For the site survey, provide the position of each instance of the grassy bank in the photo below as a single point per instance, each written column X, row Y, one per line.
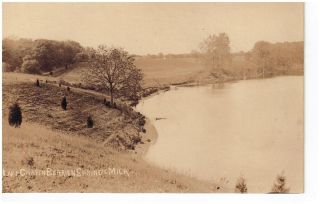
column 34, row 148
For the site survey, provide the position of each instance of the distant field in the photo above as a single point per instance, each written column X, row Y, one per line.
column 156, row 71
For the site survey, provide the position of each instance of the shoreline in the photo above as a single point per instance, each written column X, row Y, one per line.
column 148, row 139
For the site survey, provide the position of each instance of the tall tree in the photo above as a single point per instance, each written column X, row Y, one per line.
column 262, row 57
column 216, row 51
column 113, row 70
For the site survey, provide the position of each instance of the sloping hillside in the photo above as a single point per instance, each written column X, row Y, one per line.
column 42, row 105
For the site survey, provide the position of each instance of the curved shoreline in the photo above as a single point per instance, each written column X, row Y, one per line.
column 148, row 139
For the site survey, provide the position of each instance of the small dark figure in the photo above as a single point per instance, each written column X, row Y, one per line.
column 105, row 101
column 15, row 115
column 68, row 88
column 59, row 84
column 37, row 83
column 89, row 122
column 51, row 73
column 46, row 81
column 115, row 105
column 64, row 103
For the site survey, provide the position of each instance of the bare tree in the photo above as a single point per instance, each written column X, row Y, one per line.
column 113, row 70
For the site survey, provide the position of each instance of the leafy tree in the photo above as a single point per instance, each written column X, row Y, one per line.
column 13, row 51
column 15, row 115
column 113, row 70
column 68, row 51
column 216, row 51
column 262, row 56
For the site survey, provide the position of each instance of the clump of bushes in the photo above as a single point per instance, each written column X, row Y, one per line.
column 279, row 185
column 30, row 66
column 89, row 122
column 15, row 115
column 64, row 103
column 241, row 185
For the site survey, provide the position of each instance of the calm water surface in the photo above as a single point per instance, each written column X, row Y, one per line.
column 251, row 128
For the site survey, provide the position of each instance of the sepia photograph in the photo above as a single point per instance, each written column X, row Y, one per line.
column 153, row 97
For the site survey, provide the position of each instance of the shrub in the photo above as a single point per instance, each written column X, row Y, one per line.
column 241, row 186
column 64, row 103
column 37, row 83
column 142, row 121
column 89, row 122
column 279, row 185
column 15, row 115
column 30, row 66
column 108, row 104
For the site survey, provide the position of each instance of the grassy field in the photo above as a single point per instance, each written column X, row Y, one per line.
column 33, row 148
column 157, row 71
column 59, row 140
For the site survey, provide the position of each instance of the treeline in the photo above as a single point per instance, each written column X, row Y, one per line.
column 269, row 59
column 38, row 56
column 265, row 59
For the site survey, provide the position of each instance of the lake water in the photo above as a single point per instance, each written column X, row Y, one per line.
column 252, row 128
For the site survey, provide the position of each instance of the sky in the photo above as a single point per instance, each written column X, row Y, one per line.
column 152, row 28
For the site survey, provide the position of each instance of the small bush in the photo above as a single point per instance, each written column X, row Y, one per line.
column 142, row 121
column 15, row 115
column 37, row 83
column 279, row 185
column 241, row 186
column 89, row 122
column 108, row 104
column 64, row 103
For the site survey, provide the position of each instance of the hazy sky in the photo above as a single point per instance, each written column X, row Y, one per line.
column 155, row 27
